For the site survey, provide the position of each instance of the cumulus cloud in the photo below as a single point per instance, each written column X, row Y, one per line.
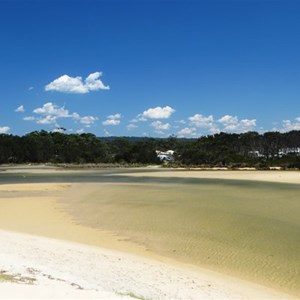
column 159, row 126
column 157, row 113
column 139, row 118
column 131, row 126
column 112, row 120
column 47, row 120
column 186, row 132
column 20, row 109
column 233, row 124
column 227, row 123
column 50, row 113
column 29, row 118
column 88, row 120
column 80, row 131
column 50, row 109
column 4, row 129
column 201, row 121
column 288, row 125
column 247, row 123
column 77, row 85
column 227, row 120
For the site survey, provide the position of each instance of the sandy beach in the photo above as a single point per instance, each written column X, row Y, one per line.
column 46, row 253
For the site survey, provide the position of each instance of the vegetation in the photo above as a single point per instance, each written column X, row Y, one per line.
column 249, row 149
column 16, row 278
column 133, row 295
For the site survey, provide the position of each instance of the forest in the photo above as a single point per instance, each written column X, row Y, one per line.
column 231, row 150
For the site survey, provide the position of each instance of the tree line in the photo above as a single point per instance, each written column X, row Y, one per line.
column 249, row 149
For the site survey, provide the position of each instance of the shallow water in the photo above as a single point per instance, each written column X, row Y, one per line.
column 246, row 229
column 243, row 228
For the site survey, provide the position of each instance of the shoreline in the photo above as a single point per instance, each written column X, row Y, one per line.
column 227, row 287
column 275, row 175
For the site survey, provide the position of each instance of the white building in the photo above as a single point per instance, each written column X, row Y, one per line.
column 165, row 155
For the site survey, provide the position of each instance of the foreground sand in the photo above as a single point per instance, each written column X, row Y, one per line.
column 60, row 269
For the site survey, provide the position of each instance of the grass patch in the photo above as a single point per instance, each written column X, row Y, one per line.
column 6, row 277
column 15, row 278
column 133, row 295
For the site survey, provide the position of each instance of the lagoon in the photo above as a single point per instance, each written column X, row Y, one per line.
column 244, row 228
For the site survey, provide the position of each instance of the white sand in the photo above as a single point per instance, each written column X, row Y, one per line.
column 65, row 270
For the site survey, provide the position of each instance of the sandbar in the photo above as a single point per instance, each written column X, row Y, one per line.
column 292, row 177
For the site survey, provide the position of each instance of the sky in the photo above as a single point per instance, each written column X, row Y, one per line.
column 149, row 68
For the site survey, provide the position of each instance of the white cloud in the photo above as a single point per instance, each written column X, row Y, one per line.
column 214, row 129
column 227, row 120
column 201, row 121
column 228, row 123
column 289, row 125
column 131, row 126
column 232, row 123
column 88, row 120
column 114, row 117
column 67, row 84
column 186, row 132
column 20, row 109
column 248, row 123
column 76, row 85
column 139, row 118
column 50, row 109
column 107, row 133
column 80, row 131
column 159, row 126
column 4, row 129
column 112, row 120
column 157, row 113
column 47, row 120
column 75, row 116
column 50, row 113
column 93, row 83
column 29, row 118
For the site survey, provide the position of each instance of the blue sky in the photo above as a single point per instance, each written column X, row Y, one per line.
column 149, row 68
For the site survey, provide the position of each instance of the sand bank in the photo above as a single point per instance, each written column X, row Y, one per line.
column 268, row 176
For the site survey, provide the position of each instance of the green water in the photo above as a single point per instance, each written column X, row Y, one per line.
column 245, row 229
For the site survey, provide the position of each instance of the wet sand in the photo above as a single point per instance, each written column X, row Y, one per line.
column 120, row 216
